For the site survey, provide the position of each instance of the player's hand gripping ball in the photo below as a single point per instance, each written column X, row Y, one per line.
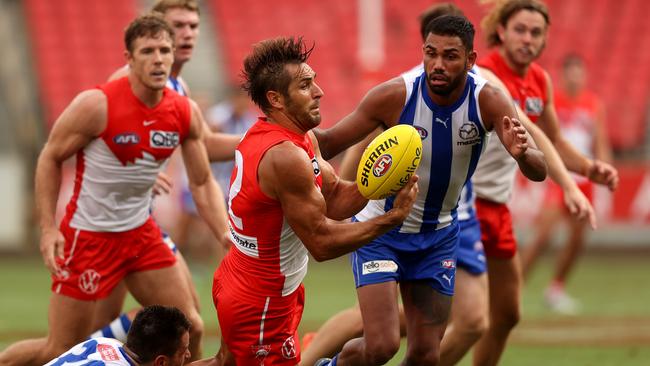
column 389, row 161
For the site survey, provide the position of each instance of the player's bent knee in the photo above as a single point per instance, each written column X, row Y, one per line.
column 474, row 327
column 383, row 351
column 422, row 356
column 507, row 319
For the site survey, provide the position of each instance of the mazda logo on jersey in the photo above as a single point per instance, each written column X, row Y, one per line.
column 126, row 138
column 163, row 139
column 469, row 133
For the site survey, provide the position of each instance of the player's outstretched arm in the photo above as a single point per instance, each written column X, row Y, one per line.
column 499, row 114
column 575, row 200
column 596, row 170
column 287, row 174
column 205, row 191
column 381, row 106
column 220, row 146
column 83, row 120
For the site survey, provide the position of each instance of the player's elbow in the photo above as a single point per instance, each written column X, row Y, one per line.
column 319, row 249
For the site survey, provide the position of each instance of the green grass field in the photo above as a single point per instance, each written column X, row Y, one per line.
column 613, row 328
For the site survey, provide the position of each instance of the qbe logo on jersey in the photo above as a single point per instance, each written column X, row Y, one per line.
column 163, row 139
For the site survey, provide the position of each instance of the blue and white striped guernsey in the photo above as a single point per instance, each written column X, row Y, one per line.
column 453, row 138
column 94, row 352
column 176, row 85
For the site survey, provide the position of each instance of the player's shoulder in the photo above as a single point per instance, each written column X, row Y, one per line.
column 91, row 102
column 384, row 99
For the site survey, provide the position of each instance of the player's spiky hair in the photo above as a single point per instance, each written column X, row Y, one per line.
column 264, row 68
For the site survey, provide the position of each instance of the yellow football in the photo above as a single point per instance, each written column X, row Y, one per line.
column 389, row 161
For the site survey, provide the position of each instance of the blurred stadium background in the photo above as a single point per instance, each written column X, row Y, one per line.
column 54, row 49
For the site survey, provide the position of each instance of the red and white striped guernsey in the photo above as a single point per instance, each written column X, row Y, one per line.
column 267, row 258
column 116, row 171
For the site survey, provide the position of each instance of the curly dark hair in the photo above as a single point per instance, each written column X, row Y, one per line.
column 453, row 25
column 264, row 68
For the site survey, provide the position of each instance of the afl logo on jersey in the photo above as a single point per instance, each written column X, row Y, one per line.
column 163, row 139
column 422, row 132
column 382, row 165
column 127, row 138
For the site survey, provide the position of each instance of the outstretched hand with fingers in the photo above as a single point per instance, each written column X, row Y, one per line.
column 515, row 137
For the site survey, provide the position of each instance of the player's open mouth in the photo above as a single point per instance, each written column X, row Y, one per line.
column 186, row 47
column 158, row 74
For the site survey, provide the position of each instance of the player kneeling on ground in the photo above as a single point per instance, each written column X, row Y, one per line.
column 159, row 335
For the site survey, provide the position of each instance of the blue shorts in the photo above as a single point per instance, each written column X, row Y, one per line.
column 471, row 256
column 400, row 257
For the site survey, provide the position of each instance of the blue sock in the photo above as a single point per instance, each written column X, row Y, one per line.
column 333, row 362
column 116, row 329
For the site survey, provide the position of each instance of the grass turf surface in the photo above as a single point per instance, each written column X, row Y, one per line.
column 612, row 329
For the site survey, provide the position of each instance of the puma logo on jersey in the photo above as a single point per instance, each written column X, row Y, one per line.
column 448, row 278
column 442, row 121
column 163, row 139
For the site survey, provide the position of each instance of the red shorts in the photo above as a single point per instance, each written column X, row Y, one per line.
column 555, row 195
column 259, row 330
column 496, row 229
column 95, row 262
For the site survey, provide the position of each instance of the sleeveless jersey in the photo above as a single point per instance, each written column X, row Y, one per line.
column 95, row 352
column 495, row 174
column 176, row 85
column 453, row 138
column 577, row 116
column 268, row 258
column 116, row 171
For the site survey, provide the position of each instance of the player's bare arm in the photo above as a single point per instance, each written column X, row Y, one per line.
column 574, row 199
column 82, row 121
column 381, row 106
column 342, row 197
column 498, row 114
column 205, row 191
column 220, row 146
column 596, row 170
column 286, row 174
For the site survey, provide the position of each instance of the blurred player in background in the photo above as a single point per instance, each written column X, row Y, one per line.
column 517, row 30
column 233, row 116
column 183, row 17
column 582, row 120
column 453, row 111
column 284, row 202
column 122, row 134
column 159, row 336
